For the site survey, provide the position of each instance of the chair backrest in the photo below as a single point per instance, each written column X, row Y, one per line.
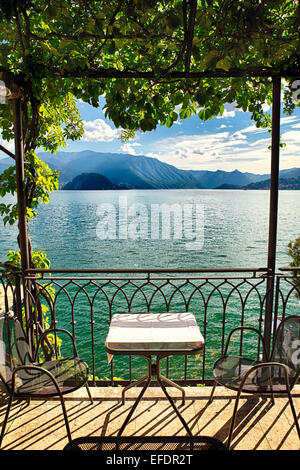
column 286, row 346
column 14, row 349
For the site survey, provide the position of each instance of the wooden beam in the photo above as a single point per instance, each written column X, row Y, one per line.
column 190, row 35
column 162, row 75
column 10, row 154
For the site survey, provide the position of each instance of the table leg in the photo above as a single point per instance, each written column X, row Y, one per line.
column 132, row 384
column 155, row 370
column 148, row 381
column 173, row 384
column 170, row 382
column 174, row 406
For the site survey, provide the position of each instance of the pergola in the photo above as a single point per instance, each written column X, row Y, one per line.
column 14, row 85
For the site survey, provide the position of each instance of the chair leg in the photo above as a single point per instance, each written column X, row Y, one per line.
column 6, row 418
column 8, row 410
column 235, row 412
column 294, row 413
column 89, row 394
column 233, row 419
column 62, row 401
column 212, row 392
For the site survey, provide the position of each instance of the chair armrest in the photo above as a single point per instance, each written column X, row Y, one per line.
column 245, row 328
column 55, row 330
column 265, row 365
column 34, row 367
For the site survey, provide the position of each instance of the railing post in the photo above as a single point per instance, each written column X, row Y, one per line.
column 273, row 212
column 18, row 298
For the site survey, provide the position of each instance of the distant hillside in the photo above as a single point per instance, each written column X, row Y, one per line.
column 90, row 181
column 291, row 173
column 284, row 183
column 140, row 172
column 215, row 179
column 5, row 163
column 229, row 186
column 133, row 171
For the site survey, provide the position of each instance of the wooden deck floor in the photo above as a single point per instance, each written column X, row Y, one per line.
column 259, row 426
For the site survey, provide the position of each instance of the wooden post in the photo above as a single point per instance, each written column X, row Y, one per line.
column 20, row 180
column 273, row 212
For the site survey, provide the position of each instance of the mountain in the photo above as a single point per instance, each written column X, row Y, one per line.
column 90, row 181
column 284, row 183
column 133, row 171
column 142, row 172
column 5, row 163
column 215, row 179
column 291, row 173
column 229, row 186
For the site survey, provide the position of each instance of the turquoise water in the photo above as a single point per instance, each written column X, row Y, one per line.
column 235, row 230
column 231, row 228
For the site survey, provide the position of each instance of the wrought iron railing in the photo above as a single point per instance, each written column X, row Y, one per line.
column 287, row 294
column 83, row 302
column 11, row 297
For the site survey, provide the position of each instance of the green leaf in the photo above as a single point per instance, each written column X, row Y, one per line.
column 112, row 47
column 223, row 64
column 148, row 124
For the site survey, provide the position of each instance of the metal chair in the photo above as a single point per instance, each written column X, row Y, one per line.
column 24, row 378
column 275, row 376
column 161, row 444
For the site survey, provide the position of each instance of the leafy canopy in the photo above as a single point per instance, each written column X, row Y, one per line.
column 149, row 58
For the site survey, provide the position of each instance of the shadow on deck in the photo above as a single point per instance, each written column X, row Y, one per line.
column 259, row 426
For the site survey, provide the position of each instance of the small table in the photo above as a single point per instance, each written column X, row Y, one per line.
column 154, row 334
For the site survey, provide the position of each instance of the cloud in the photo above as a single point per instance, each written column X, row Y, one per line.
column 260, row 130
column 229, row 111
column 190, row 150
column 291, row 136
column 217, row 150
column 261, row 143
column 99, row 131
column 128, row 148
column 228, row 148
column 238, row 135
column 226, row 114
column 292, row 150
column 253, row 128
column 8, row 145
column 288, row 119
column 266, row 107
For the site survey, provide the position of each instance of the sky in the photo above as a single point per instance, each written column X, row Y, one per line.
column 226, row 142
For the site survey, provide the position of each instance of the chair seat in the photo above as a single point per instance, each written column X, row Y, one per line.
column 230, row 371
column 70, row 374
column 146, row 443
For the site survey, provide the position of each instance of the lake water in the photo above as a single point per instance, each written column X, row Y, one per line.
column 232, row 229
column 120, row 229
